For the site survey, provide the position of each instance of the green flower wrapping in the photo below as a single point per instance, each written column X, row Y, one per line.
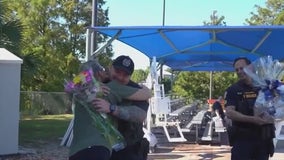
column 104, row 124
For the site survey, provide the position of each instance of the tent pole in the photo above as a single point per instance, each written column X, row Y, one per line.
column 99, row 50
column 161, row 73
column 94, row 23
column 210, row 88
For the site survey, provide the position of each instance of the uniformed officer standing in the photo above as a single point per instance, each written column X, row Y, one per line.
column 250, row 136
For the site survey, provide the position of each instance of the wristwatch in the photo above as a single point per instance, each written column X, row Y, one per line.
column 112, row 108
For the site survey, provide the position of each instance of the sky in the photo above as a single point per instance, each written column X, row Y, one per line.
column 177, row 13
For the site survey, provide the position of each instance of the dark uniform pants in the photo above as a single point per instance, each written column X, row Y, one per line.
column 126, row 154
column 249, row 150
column 137, row 151
column 92, row 153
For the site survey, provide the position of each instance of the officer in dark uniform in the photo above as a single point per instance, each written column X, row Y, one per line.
column 137, row 147
column 250, row 136
column 131, row 128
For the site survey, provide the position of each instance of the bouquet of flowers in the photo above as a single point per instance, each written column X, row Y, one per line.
column 85, row 88
column 267, row 74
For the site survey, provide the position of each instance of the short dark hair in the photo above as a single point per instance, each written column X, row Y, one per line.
column 242, row 58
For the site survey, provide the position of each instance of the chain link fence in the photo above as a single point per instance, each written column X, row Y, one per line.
column 50, row 103
column 44, row 103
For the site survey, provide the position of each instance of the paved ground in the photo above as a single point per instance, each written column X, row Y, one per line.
column 183, row 151
column 164, row 151
column 193, row 151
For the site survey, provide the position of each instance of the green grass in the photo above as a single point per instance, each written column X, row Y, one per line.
column 42, row 129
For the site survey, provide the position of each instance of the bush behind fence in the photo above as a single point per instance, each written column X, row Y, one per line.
column 44, row 103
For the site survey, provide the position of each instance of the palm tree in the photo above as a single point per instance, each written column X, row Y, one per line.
column 10, row 32
column 11, row 39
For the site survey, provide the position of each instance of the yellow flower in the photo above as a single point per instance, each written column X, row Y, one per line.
column 77, row 79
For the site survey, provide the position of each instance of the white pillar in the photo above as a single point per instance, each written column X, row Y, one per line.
column 10, row 71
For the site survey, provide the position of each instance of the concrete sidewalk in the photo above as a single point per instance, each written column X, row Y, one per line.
column 183, row 151
column 186, row 151
column 278, row 155
column 195, row 150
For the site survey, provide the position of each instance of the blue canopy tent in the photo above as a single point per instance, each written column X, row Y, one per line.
column 200, row 48
column 206, row 48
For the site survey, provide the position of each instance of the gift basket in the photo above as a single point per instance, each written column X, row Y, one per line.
column 267, row 75
column 84, row 88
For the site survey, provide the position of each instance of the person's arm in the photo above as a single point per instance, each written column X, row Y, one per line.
column 136, row 113
column 127, row 92
column 237, row 116
column 129, row 113
column 232, row 100
column 141, row 94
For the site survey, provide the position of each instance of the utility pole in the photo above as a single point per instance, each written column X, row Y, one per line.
column 164, row 11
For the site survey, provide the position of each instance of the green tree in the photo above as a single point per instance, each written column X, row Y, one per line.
column 139, row 75
column 169, row 80
column 11, row 31
column 196, row 85
column 215, row 20
column 55, row 31
column 221, row 81
column 280, row 18
column 271, row 14
column 167, row 85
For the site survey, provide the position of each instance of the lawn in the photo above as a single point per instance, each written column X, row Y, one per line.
column 34, row 130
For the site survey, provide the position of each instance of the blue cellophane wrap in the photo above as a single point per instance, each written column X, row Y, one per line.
column 267, row 74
